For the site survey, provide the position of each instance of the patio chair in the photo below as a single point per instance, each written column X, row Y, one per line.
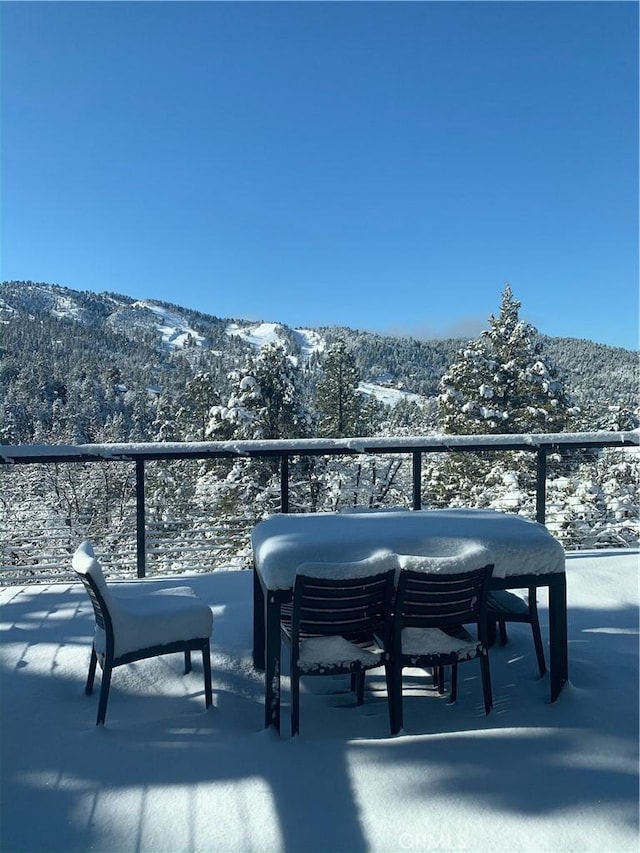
column 431, row 609
column 133, row 627
column 340, row 623
column 504, row 606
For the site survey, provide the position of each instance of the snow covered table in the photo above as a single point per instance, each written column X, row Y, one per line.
column 523, row 552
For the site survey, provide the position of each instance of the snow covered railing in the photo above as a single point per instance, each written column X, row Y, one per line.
column 540, row 444
column 155, row 450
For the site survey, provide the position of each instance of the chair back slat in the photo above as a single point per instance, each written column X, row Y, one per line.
column 352, row 608
column 429, row 600
column 97, row 601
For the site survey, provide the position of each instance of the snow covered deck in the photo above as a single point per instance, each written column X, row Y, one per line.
column 165, row 775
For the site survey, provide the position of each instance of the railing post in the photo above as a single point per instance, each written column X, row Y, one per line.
column 417, row 479
column 140, row 519
column 541, row 485
column 284, row 484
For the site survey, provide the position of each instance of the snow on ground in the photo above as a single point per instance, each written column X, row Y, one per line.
column 389, row 396
column 261, row 334
column 174, row 331
column 166, row 775
column 258, row 335
column 65, row 307
column 309, row 340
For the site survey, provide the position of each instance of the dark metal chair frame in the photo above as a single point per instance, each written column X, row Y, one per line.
column 444, row 601
column 108, row 661
column 503, row 607
column 357, row 609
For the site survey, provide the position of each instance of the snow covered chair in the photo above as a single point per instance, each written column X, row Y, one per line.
column 433, row 602
column 340, row 623
column 134, row 627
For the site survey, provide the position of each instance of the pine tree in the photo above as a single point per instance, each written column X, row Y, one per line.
column 192, row 416
column 164, row 426
column 266, row 401
column 502, row 382
column 337, row 398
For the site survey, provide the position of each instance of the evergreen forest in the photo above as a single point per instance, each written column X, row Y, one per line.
column 86, row 368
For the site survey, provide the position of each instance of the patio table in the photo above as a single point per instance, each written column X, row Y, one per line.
column 524, row 554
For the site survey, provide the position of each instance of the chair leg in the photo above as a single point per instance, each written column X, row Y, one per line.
column 187, row 662
column 440, row 670
column 453, row 696
column 537, row 642
column 486, row 683
column 396, row 712
column 503, row 633
column 92, row 672
column 295, row 703
column 388, row 674
column 206, row 666
column 359, row 676
column 104, row 693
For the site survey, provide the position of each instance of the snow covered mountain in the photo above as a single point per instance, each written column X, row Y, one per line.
column 172, row 328
column 261, row 334
column 155, row 334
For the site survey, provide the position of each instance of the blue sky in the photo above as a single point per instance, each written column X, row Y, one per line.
column 380, row 165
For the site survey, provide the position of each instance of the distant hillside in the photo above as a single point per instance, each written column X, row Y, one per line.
column 62, row 348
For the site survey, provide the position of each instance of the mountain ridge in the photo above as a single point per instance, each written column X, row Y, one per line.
column 148, row 343
column 46, row 289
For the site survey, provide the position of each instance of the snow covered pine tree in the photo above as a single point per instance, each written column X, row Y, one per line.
column 502, row 382
column 266, row 402
column 337, row 397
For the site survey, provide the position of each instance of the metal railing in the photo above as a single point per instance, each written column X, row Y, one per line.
column 539, row 444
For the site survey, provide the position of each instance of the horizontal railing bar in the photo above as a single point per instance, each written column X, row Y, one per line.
column 67, row 575
column 23, row 454
column 185, row 547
